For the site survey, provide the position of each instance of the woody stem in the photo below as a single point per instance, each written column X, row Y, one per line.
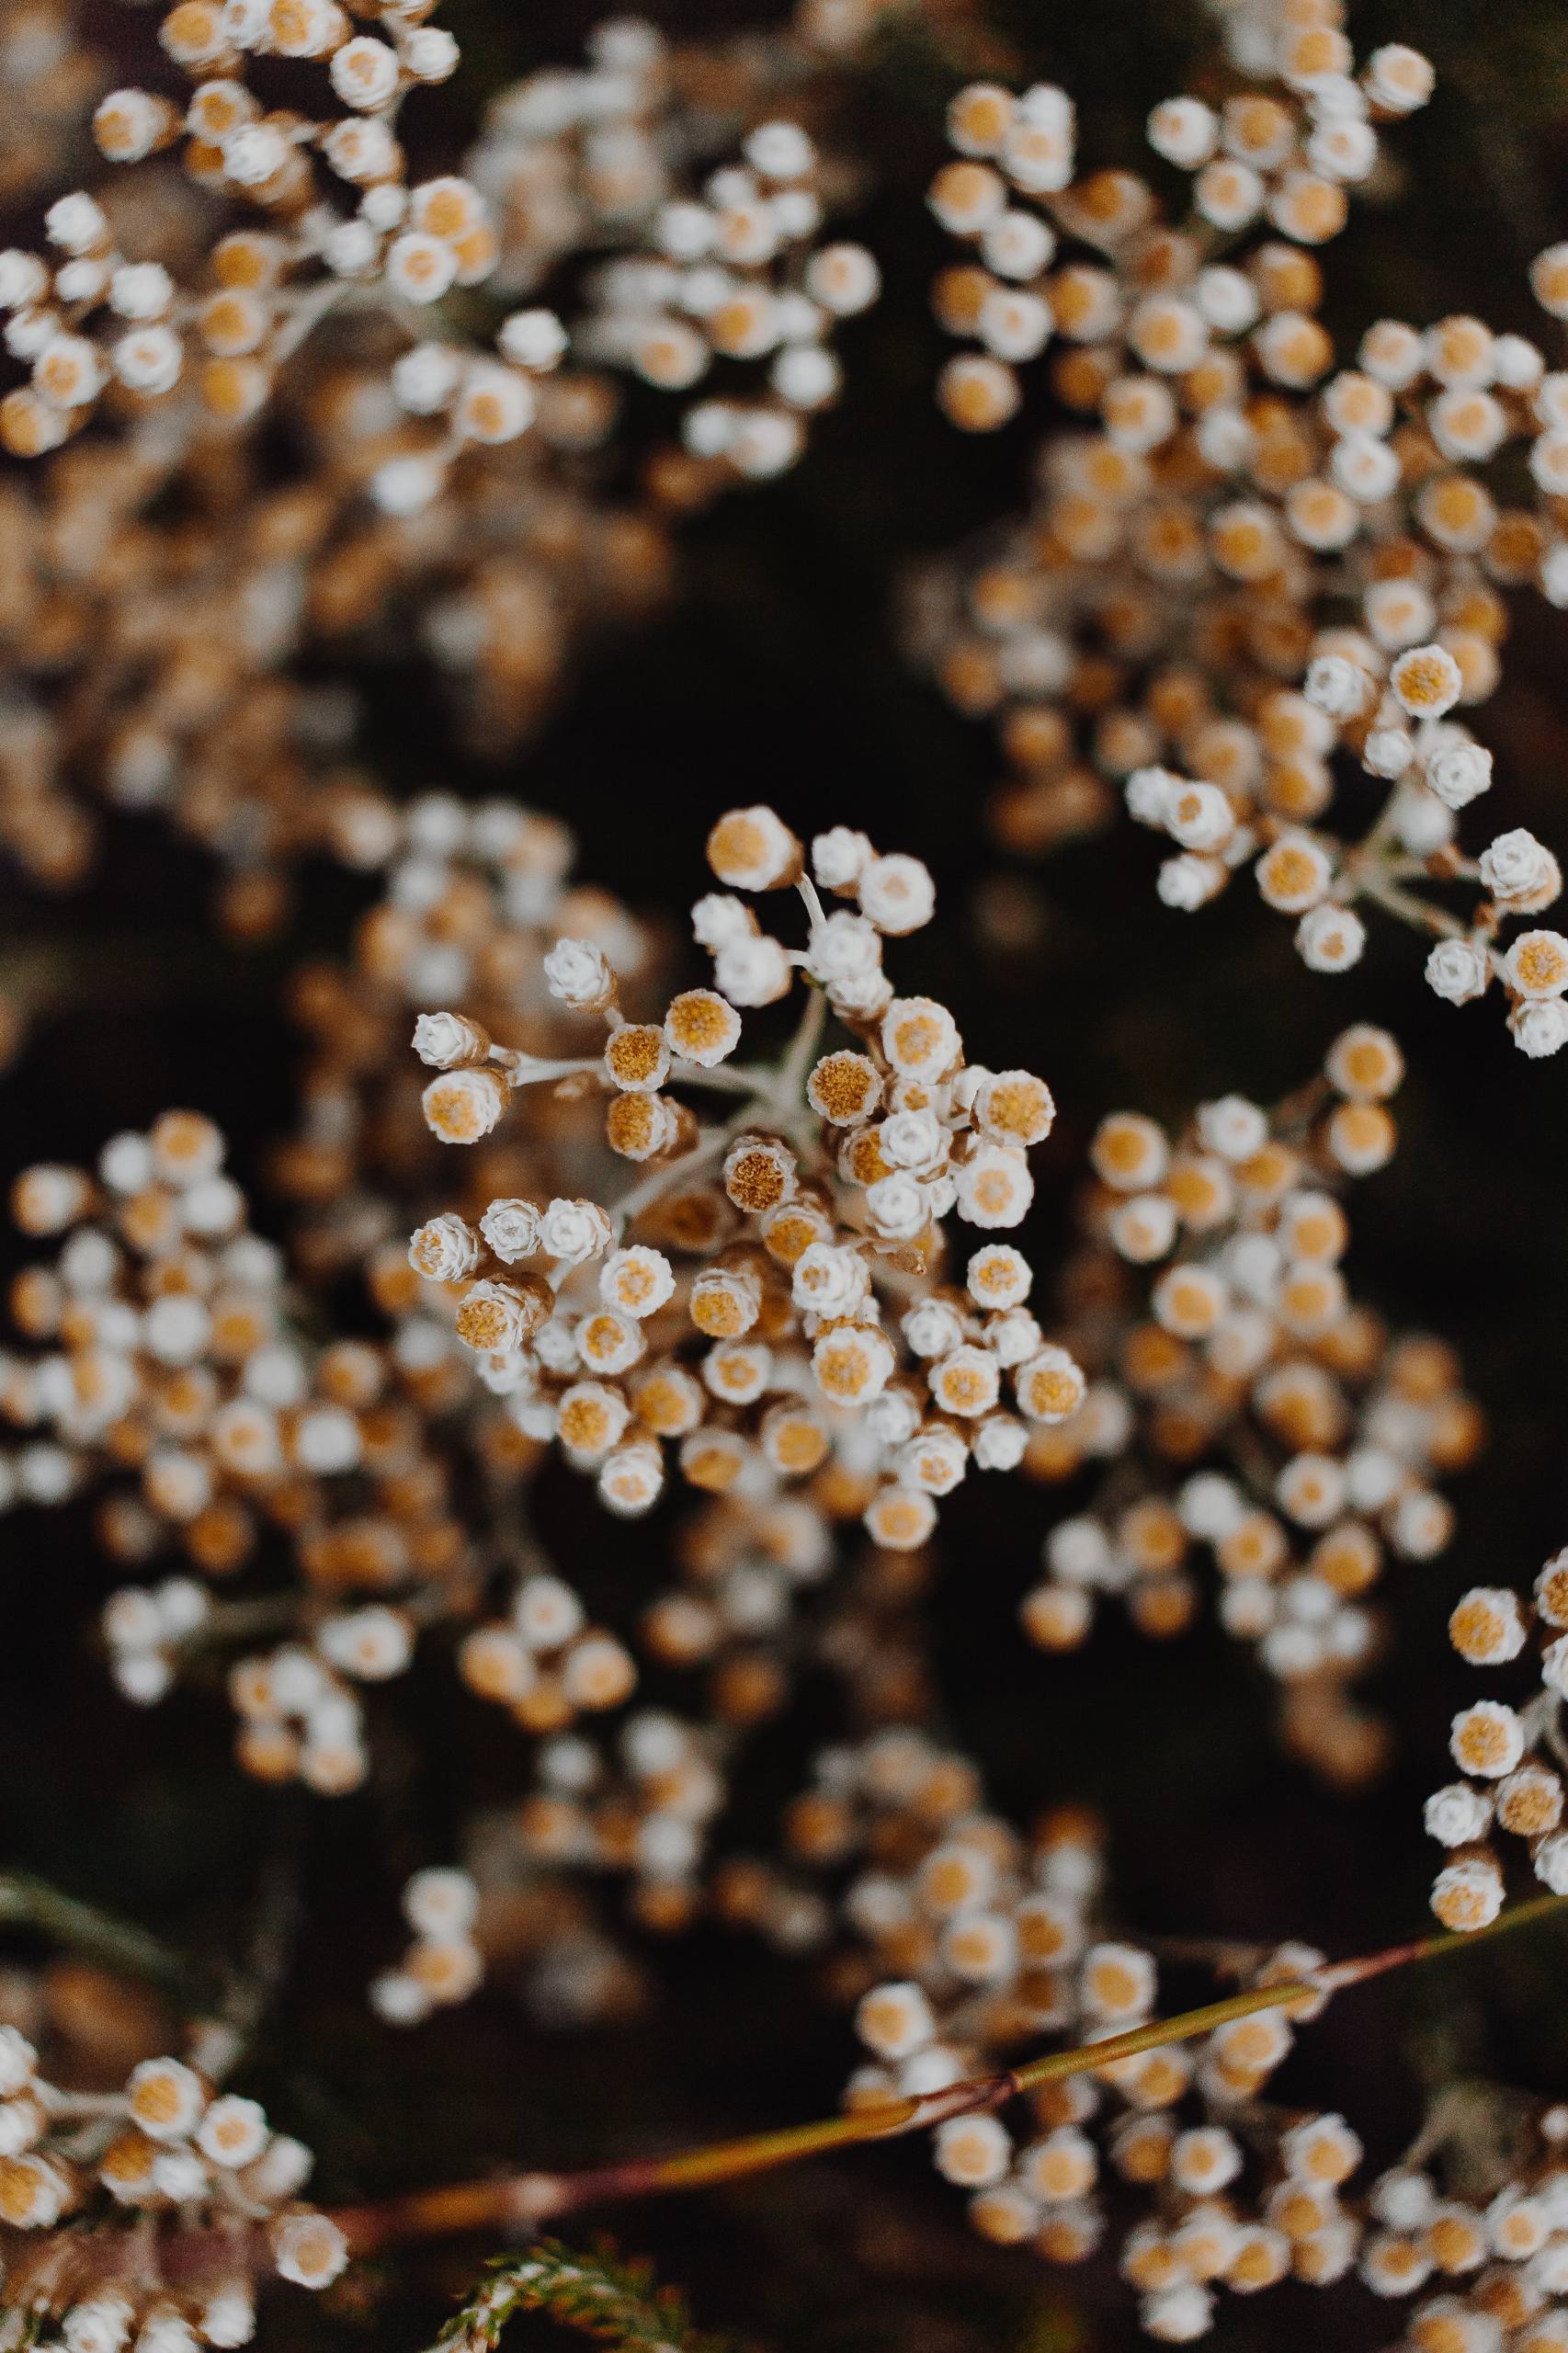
column 520, row 2202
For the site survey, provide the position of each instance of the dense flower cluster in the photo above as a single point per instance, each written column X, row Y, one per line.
column 1155, row 315
column 186, row 705
column 460, row 484
column 170, row 1365
column 1168, row 619
column 1245, row 1407
column 966, row 1942
column 738, row 276
column 96, row 2191
column 1512, row 1756
column 811, row 1336
column 401, row 245
column 470, row 899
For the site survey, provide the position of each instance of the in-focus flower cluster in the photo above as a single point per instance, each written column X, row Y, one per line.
column 146, row 2216
column 1512, row 1754
column 766, row 1303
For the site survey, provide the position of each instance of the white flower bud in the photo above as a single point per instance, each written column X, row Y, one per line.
column 1459, row 773
column 1516, row 866
column 577, row 974
column 1457, row 1815
column 1459, row 969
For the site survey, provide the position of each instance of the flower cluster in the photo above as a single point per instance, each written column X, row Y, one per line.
column 1150, row 314
column 306, row 401
column 967, row 1941
column 766, row 1303
column 1167, row 620
column 187, row 704
column 471, row 898
column 1512, row 1757
column 441, row 464
column 168, row 1365
column 269, row 284
column 639, row 1810
column 143, row 2216
column 649, row 1806
column 1246, row 1408
column 738, row 275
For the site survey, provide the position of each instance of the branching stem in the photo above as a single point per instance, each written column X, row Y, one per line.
column 523, row 2202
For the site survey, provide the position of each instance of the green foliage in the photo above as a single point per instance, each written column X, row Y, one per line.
column 605, row 2296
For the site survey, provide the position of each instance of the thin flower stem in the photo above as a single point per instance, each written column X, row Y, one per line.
column 306, row 315
column 802, row 1051
column 1374, row 843
column 703, row 1154
column 524, row 2201
column 1409, row 909
column 530, row 1070
column 768, row 1093
column 725, row 1078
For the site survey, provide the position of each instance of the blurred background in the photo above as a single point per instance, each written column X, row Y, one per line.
column 777, row 675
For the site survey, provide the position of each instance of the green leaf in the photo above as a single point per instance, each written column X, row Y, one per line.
column 616, row 2301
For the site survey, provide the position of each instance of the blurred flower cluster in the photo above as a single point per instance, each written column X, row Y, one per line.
column 1256, row 557
column 1310, row 1434
column 456, row 466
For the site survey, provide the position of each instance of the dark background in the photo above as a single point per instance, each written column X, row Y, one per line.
column 777, row 676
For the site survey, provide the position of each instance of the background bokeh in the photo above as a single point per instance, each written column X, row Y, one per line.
column 777, row 676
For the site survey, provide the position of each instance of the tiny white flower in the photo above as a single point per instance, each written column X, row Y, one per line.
column 1459, row 773
column 1516, row 866
column 1539, row 1028
column 1458, row 1814
column 898, row 1206
column 1336, row 686
column 1459, row 969
column 843, row 947
column 753, row 969
column 1331, row 938
column 573, row 1230
column 839, row 857
column 577, row 976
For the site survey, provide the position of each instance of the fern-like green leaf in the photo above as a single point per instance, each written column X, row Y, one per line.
column 605, row 2296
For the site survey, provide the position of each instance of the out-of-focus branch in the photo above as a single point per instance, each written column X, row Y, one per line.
column 27, row 1902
